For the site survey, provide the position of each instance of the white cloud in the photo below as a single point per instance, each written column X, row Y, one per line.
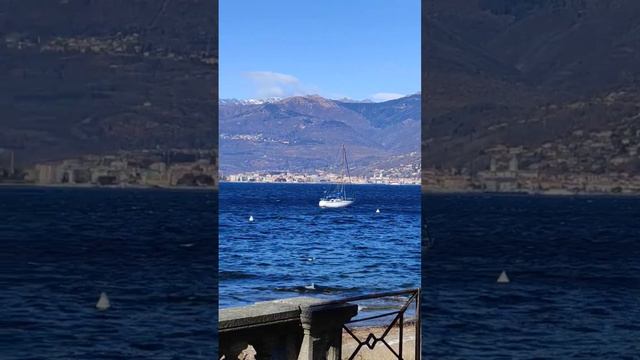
column 382, row 96
column 269, row 84
column 272, row 84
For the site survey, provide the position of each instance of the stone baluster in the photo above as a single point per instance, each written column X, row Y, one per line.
column 322, row 329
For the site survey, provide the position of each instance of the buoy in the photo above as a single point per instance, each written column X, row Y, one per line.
column 103, row 302
column 250, row 218
column 503, row 278
column 377, row 211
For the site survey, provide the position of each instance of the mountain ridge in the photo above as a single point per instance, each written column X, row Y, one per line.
column 520, row 79
column 89, row 78
column 302, row 133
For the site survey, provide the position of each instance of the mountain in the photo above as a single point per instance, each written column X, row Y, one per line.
column 304, row 133
column 575, row 46
column 88, row 77
column 248, row 101
column 532, row 74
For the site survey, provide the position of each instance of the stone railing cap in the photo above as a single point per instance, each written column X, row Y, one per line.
column 264, row 312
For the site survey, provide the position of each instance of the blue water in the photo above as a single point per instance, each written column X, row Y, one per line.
column 293, row 243
column 152, row 251
column 574, row 264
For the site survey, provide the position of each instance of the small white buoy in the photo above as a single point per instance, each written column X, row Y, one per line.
column 503, row 278
column 103, row 302
column 310, row 287
column 377, row 211
column 310, row 259
column 250, row 218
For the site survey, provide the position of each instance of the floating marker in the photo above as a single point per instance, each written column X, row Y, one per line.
column 377, row 211
column 503, row 278
column 103, row 302
column 250, row 218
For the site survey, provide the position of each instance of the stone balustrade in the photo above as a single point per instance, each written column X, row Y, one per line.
column 300, row 328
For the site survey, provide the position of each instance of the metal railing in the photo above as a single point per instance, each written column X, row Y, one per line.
column 371, row 340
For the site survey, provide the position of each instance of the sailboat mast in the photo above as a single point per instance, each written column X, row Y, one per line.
column 346, row 163
column 346, row 167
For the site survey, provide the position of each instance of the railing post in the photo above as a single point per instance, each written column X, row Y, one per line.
column 309, row 341
column 418, row 336
column 322, row 330
column 335, row 345
column 401, row 335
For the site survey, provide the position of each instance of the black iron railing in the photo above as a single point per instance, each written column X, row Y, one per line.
column 371, row 340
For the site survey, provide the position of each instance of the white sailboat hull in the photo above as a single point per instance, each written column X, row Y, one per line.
column 335, row 203
column 338, row 197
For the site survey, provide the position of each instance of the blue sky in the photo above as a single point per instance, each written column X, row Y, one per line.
column 349, row 48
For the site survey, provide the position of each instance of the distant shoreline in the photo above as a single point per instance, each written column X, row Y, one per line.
column 112, row 187
column 550, row 193
column 310, row 183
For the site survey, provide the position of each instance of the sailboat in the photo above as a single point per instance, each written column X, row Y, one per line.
column 337, row 198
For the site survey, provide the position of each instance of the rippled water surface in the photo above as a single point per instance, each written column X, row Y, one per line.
column 293, row 244
column 151, row 251
column 574, row 265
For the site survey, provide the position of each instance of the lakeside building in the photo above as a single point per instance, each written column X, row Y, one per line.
column 508, row 177
column 180, row 167
column 318, row 177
